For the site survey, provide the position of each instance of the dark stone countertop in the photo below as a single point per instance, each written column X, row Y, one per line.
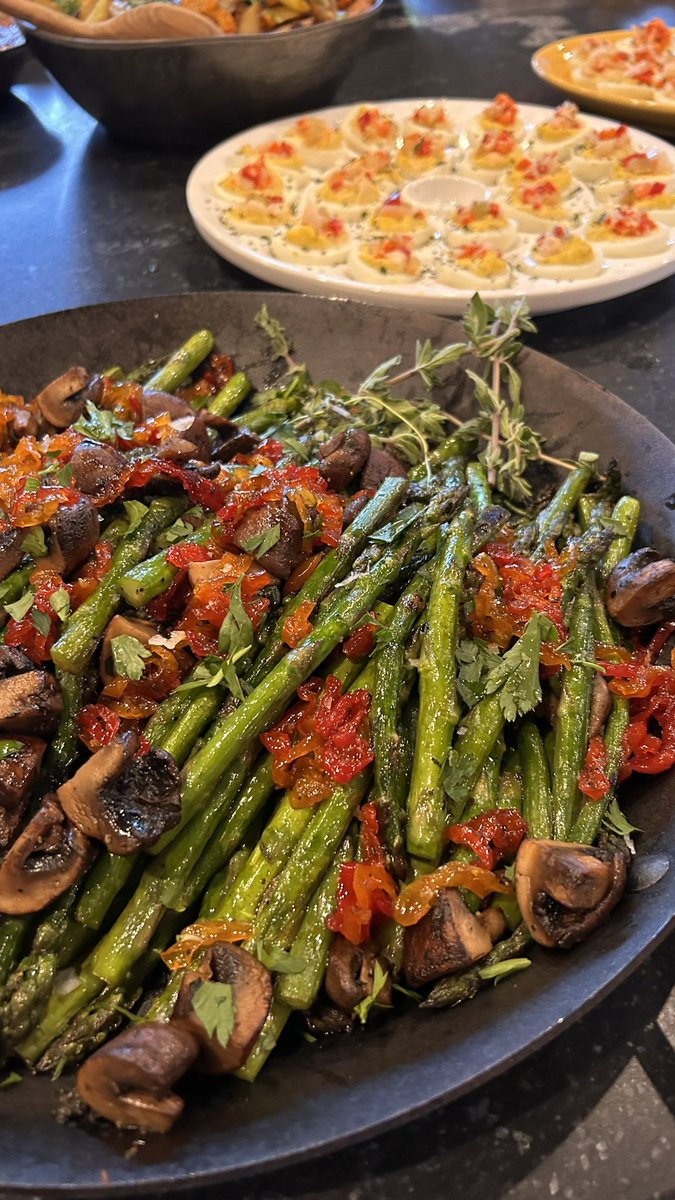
column 84, row 220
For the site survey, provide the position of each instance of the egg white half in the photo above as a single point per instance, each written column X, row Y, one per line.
column 631, row 247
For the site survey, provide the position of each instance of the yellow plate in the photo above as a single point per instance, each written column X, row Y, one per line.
column 555, row 64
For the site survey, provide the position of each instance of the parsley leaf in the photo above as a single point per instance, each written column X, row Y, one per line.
column 34, row 542
column 41, row 620
column 207, row 674
column 475, row 661
column 235, row 639
column 278, row 960
column 362, row 1009
column 617, row 822
column 7, row 747
column 128, row 656
column 262, row 542
column 214, row 1005
column 102, row 426
column 516, row 675
column 31, row 485
column 60, row 602
column 20, row 607
column 501, row 970
column 135, row 512
column 459, row 778
column 11, row 1079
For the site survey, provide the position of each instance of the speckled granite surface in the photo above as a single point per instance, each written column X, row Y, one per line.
column 84, row 220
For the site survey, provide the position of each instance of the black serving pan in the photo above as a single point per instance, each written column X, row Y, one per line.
column 311, row 1097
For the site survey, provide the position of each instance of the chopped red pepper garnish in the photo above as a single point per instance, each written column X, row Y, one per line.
column 361, row 642
column 593, row 780
column 513, row 589
column 371, row 849
column 97, row 726
column 366, row 894
column 493, row 836
column 207, row 492
column 298, row 626
column 184, row 553
column 649, row 741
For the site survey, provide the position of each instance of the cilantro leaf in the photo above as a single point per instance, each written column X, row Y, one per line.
column 60, row 602
column 516, row 675
column 362, row 1009
column 41, row 620
column 501, row 970
column 278, row 960
column 128, row 656
column 235, row 639
column 31, row 484
column 7, row 747
column 262, row 542
column 214, row 1005
column 616, row 821
column 458, row 778
column 21, row 607
column 34, row 542
column 11, row 1079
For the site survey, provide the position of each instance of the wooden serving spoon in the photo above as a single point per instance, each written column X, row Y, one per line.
column 148, row 22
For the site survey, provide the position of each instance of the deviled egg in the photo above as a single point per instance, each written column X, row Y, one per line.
column 369, row 128
column 603, row 148
column 626, row 233
column 645, row 165
column 385, row 260
column 255, row 178
column 537, row 207
column 419, row 154
column 656, row 198
column 396, row 217
column 318, row 143
column 476, row 265
column 536, row 170
column 351, row 191
column 258, row 216
column 433, row 118
column 502, row 115
column 283, row 156
column 492, row 157
column 560, row 254
column 562, row 131
column 316, row 240
column 484, row 221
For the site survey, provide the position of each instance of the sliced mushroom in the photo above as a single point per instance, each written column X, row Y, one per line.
column 122, row 627
column 18, row 774
column 343, row 457
column 565, row 890
column 155, row 404
column 191, row 440
column 62, row 402
column 350, row 973
column 126, row 802
column 381, row 466
column 30, row 702
column 601, row 705
column 641, row 589
column 129, row 1080
column 286, row 553
column 447, row 939
column 72, row 534
column 45, row 859
column 21, row 422
column 231, row 442
column 98, row 469
column 80, row 796
column 251, row 985
column 14, row 662
column 11, row 553
column 353, row 508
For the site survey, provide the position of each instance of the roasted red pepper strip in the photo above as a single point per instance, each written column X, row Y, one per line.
column 98, row 725
column 417, row 897
column 593, row 780
column 493, row 836
column 366, row 893
column 361, row 642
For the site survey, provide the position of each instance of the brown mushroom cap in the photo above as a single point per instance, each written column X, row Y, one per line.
column 129, row 1080
column 79, row 796
column 251, row 985
column 72, row 533
column 18, row 773
column 286, row 553
column 61, row 401
column 14, row 662
column 95, row 466
column 641, row 589
column 122, row 627
column 45, row 859
column 343, row 456
column 566, row 890
column 447, row 939
column 233, row 440
column 11, row 553
column 601, row 705
column 30, row 702
column 350, row 974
